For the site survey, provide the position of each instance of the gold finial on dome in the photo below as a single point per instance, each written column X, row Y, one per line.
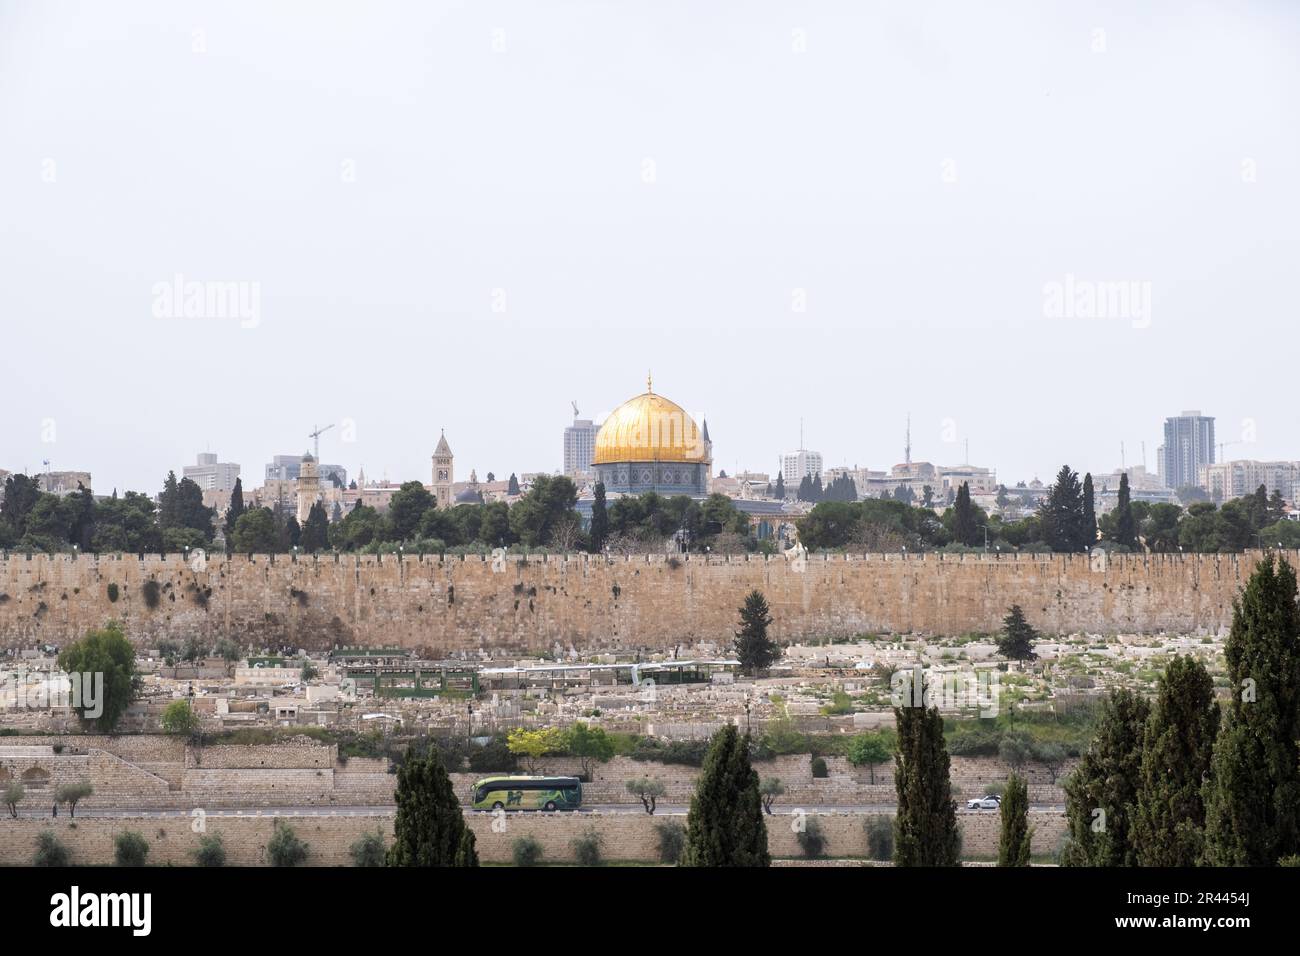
column 649, row 390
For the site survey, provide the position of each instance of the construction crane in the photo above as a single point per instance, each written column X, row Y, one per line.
column 316, row 436
column 1224, row 444
column 575, row 408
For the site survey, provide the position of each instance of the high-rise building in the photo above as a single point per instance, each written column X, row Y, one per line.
column 212, row 475
column 797, row 465
column 579, row 446
column 1188, row 447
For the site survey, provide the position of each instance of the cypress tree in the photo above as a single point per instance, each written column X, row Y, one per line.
column 754, row 649
column 1101, row 793
column 315, row 533
column 1169, row 820
column 1089, row 515
column 1252, row 799
column 430, row 826
column 1016, row 838
column 1017, row 638
column 1125, row 528
column 725, row 826
column 599, row 520
column 512, row 486
column 925, row 829
column 964, row 528
column 780, row 487
column 233, row 512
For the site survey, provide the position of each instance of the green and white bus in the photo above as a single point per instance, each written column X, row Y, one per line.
column 527, row 793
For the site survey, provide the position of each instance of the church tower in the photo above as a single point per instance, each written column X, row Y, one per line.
column 443, row 474
column 308, row 486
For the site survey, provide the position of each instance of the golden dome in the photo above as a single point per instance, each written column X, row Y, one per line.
column 649, row 428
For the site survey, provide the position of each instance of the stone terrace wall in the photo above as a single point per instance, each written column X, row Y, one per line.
column 626, row 836
column 441, row 606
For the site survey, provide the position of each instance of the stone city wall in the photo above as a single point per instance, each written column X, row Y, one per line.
column 452, row 605
column 625, row 836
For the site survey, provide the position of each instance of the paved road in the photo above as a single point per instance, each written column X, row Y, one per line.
column 289, row 811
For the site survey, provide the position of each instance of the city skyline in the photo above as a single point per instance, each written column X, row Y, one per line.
column 724, row 224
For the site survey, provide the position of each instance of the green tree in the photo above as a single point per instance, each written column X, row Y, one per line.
column 1101, row 794
column 965, row 529
column 255, row 532
column 368, row 850
column 599, row 520
column 50, row 850
column 211, row 851
column 180, row 719
column 1089, row 517
column 285, row 848
column 104, row 652
column 589, row 744
column 725, row 826
column 407, row 508
column 1125, row 528
column 534, row 517
column 769, row 790
column 926, row 832
column 429, row 827
column 234, row 512
column 533, row 745
column 73, row 793
column 1062, row 513
column 754, row 649
column 1017, row 836
column 130, row 848
column 779, row 491
column 1016, row 642
column 648, row 791
column 870, row 750
column 316, row 532
column 14, row 793
column 1169, row 817
column 1252, row 800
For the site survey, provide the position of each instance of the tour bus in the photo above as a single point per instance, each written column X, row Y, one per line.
column 527, row 793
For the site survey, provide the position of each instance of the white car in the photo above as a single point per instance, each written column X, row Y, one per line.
column 989, row 802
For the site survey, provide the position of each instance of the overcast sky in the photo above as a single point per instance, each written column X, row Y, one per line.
column 469, row 214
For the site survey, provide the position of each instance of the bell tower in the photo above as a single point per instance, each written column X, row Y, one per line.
column 443, row 472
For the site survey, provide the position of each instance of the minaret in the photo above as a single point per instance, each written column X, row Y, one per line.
column 708, row 457
column 443, row 473
column 308, row 486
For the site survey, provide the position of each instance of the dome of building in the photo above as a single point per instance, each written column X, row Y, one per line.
column 649, row 427
column 650, row 444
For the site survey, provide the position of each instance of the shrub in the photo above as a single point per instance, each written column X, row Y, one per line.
column 50, row 851
column 493, row 757
column 284, row 848
column 811, row 839
column 211, row 851
column 369, row 850
column 152, row 593
column 586, row 848
column 672, row 840
column 130, row 848
column 1293, row 860
column 880, row 837
column 526, row 851
column 819, row 770
column 112, row 592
